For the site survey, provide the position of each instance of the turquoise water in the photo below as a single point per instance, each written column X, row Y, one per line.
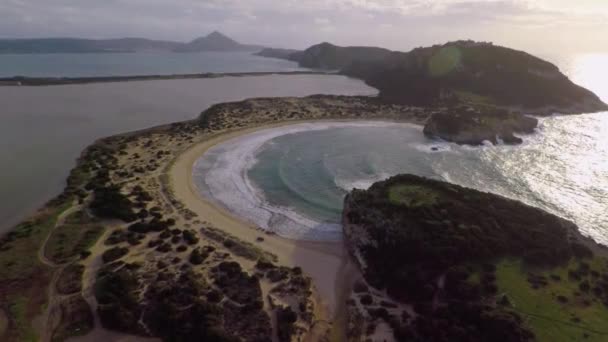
column 312, row 171
column 143, row 63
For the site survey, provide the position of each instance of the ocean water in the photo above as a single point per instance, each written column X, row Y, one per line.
column 44, row 129
column 141, row 63
column 292, row 180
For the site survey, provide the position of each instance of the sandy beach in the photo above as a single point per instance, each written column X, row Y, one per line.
column 219, row 254
column 322, row 261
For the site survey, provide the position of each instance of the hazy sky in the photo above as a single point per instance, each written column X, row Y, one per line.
column 535, row 25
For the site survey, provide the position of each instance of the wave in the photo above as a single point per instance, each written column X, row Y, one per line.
column 221, row 176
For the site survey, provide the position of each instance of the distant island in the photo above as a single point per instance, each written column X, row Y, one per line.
column 215, row 41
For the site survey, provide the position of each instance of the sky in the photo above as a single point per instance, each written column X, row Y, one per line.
column 533, row 25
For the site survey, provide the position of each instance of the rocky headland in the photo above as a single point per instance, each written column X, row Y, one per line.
column 486, row 78
column 441, row 262
column 469, row 125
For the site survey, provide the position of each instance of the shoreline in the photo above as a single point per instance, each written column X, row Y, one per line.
column 157, row 162
column 220, row 176
column 21, row 81
column 322, row 261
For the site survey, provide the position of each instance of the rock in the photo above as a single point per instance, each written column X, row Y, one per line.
column 473, row 126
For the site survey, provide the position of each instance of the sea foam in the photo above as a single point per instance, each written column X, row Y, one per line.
column 220, row 175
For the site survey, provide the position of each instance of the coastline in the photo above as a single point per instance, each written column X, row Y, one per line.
column 220, row 175
column 19, row 81
column 322, row 261
column 158, row 162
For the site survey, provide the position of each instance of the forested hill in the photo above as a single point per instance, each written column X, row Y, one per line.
column 474, row 266
column 465, row 71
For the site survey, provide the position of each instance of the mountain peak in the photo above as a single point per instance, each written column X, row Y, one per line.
column 215, row 41
column 217, row 34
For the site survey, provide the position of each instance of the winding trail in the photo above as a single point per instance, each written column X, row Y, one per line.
column 60, row 221
column 54, row 299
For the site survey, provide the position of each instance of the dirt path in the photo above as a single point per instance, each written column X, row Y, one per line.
column 60, row 221
column 52, row 315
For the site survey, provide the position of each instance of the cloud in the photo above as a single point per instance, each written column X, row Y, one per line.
column 397, row 24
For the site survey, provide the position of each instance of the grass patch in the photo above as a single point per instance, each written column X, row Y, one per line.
column 413, row 195
column 23, row 278
column 69, row 240
column 79, row 217
column 18, row 311
column 581, row 316
column 78, row 319
column 19, row 254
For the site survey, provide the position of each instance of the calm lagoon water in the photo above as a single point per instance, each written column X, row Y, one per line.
column 292, row 180
column 44, row 129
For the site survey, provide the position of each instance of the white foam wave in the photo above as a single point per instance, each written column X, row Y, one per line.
column 221, row 176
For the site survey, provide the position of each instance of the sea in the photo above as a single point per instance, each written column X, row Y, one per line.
column 44, row 129
column 292, row 180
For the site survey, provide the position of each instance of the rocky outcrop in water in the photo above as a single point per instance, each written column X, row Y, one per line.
column 474, row 126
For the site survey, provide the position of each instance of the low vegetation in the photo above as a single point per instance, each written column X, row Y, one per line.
column 23, row 278
column 76, row 319
column 69, row 241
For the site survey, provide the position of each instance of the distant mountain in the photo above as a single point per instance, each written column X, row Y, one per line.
column 77, row 45
column 213, row 42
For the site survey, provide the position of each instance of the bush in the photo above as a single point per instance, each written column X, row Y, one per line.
column 197, row 257
column 286, row 319
column 190, row 237
column 114, row 254
column 367, row 300
column 109, row 202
